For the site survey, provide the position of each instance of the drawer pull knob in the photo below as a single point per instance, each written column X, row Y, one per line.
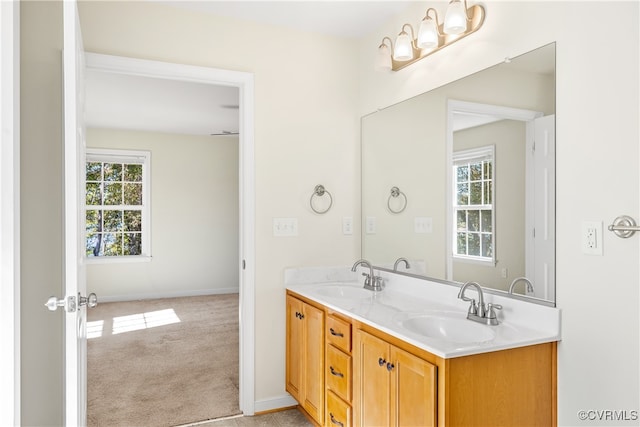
column 336, row 334
column 336, row 373
column 381, row 361
column 390, row 366
column 334, row 421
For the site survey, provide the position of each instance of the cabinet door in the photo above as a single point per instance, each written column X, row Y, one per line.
column 313, row 356
column 294, row 351
column 371, row 381
column 413, row 390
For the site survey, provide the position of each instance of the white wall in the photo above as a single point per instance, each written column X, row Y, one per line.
column 194, row 218
column 597, row 130
column 306, row 133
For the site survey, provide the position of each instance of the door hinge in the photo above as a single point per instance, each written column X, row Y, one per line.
column 244, row 265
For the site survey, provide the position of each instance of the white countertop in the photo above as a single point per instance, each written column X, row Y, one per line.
column 521, row 323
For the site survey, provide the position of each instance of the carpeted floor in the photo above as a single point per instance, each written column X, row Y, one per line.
column 163, row 362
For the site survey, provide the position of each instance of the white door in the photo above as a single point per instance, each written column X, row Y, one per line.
column 74, row 302
column 542, row 270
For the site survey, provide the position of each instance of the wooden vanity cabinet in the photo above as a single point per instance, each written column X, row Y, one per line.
column 346, row 373
column 338, row 371
column 393, row 387
column 305, row 356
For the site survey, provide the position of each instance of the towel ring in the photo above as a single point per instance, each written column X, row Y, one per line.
column 395, row 192
column 320, row 191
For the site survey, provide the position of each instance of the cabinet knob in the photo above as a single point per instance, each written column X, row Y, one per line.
column 390, row 366
column 381, row 361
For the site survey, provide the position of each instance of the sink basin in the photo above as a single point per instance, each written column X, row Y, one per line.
column 454, row 330
column 344, row 291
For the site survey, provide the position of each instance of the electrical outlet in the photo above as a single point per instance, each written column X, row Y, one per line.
column 347, row 225
column 505, row 273
column 370, row 225
column 592, row 237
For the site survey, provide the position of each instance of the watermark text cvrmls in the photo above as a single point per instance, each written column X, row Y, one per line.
column 608, row 415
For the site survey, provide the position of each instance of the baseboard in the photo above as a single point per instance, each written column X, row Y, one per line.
column 269, row 405
column 156, row 295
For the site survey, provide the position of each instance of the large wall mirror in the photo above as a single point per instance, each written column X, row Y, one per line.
column 461, row 180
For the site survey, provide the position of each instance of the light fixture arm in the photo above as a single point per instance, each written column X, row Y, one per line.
column 383, row 44
column 435, row 13
column 413, row 36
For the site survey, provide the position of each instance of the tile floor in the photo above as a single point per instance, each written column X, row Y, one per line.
column 288, row 418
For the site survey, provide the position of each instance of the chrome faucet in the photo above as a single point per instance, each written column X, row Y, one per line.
column 479, row 312
column 398, row 261
column 529, row 285
column 371, row 281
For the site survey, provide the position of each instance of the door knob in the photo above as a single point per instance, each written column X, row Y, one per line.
column 91, row 301
column 69, row 304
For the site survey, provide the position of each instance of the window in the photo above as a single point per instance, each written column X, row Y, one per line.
column 473, row 190
column 117, row 204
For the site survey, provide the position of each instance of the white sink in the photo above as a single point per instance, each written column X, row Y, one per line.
column 344, row 291
column 454, row 330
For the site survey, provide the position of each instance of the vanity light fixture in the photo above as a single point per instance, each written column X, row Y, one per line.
column 459, row 22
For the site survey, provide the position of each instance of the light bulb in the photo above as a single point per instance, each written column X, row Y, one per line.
column 455, row 20
column 428, row 34
column 383, row 61
column 403, row 50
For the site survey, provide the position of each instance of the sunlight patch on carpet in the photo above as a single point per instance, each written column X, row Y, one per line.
column 150, row 319
column 94, row 329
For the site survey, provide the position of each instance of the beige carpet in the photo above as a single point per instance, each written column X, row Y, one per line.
column 163, row 362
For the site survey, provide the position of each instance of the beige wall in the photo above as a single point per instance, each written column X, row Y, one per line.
column 42, row 214
column 306, row 133
column 194, row 218
column 597, row 110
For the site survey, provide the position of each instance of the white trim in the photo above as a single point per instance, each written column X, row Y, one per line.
column 276, row 403
column 179, row 294
column 473, row 108
column 10, row 213
column 243, row 81
column 128, row 259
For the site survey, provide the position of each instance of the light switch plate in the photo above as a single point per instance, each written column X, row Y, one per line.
column 285, row 227
column 422, row 225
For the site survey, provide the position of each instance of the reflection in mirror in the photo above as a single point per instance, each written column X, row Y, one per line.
column 475, row 188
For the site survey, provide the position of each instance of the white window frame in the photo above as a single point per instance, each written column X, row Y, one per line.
column 130, row 157
column 472, row 156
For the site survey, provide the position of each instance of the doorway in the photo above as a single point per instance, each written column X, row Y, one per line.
column 244, row 83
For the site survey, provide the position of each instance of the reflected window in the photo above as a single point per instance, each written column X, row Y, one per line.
column 116, row 203
column 473, row 190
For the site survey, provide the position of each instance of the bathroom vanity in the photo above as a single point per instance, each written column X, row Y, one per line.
column 408, row 356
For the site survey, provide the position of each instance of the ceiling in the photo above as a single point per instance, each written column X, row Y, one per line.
column 140, row 103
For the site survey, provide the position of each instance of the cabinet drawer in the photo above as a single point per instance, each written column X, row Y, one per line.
column 339, row 333
column 338, row 373
column 338, row 412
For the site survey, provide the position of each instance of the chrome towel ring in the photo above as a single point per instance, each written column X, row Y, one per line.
column 320, row 191
column 395, row 192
